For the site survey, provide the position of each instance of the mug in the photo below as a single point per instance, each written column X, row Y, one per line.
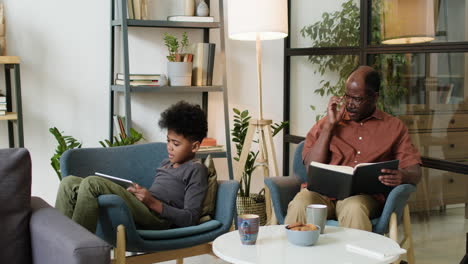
column 248, row 225
column 317, row 214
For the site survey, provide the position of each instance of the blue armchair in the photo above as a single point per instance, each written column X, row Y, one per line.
column 283, row 190
column 116, row 226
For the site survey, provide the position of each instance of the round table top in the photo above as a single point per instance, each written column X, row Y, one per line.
column 273, row 247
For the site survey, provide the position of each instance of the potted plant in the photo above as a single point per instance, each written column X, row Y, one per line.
column 247, row 202
column 68, row 142
column 179, row 66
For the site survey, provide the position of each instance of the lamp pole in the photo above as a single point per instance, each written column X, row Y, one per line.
column 258, row 46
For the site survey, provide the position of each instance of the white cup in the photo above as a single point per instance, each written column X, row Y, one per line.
column 317, row 214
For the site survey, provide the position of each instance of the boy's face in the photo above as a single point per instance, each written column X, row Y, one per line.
column 180, row 149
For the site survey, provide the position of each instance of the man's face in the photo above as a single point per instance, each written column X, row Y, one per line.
column 179, row 148
column 359, row 104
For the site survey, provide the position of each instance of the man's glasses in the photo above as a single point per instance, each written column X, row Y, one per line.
column 355, row 99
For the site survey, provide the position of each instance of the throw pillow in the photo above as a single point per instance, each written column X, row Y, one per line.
column 209, row 202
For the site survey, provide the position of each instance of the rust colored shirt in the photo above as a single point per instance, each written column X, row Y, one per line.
column 380, row 137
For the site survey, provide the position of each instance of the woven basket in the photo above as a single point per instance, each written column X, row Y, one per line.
column 255, row 204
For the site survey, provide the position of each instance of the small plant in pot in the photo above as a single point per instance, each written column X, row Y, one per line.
column 179, row 65
column 247, row 202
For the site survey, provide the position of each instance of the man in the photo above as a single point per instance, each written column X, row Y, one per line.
column 354, row 131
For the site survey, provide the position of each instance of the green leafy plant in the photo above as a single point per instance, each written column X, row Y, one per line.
column 175, row 47
column 341, row 29
column 64, row 143
column 239, row 131
column 134, row 137
column 68, row 142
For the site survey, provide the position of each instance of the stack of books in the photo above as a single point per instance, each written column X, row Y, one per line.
column 203, row 62
column 142, row 79
column 3, row 105
column 209, row 145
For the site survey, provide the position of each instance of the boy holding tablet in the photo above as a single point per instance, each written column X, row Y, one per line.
column 174, row 199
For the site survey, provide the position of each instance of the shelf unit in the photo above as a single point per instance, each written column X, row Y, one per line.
column 120, row 21
column 12, row 64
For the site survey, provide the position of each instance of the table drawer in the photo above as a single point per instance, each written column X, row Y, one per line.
column 443, row 145
column 455, row 188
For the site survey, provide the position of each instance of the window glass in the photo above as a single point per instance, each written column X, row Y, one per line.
column 447, row 19
column 316, row 23
column 314, row 79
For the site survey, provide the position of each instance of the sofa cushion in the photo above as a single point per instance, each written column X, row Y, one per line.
column 209, row 203
column 15, row 200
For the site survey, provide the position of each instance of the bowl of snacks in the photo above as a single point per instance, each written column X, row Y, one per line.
column 302, row 234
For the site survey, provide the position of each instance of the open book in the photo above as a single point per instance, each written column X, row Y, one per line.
column 343, row 181
column 122, row 182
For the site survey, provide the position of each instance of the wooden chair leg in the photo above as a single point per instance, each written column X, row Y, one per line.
column 393, row 231
column 180, row 261
column 408, row 235
column 120, row 250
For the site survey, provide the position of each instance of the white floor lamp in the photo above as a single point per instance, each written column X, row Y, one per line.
column 256, row 20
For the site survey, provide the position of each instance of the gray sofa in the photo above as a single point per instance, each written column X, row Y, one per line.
column 33, row 231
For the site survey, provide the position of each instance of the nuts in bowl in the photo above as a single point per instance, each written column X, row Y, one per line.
column 302, row 234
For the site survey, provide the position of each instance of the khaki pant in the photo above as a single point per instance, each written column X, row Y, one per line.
column 353, row 212
column 77, row 198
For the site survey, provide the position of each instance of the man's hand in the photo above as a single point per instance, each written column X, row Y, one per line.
column 391, row 177
column 142, row 194
column 334, row 114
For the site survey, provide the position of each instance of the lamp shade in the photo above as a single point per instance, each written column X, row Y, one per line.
column 267, row 18
column 407, row 21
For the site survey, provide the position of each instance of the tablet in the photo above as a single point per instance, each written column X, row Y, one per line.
column 122, row 182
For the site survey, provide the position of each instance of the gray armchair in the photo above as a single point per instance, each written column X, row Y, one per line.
column 33, row 231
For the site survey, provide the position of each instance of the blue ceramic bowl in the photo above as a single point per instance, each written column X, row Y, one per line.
column 303, row 238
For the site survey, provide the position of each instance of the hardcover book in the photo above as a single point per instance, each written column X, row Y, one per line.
column 190, row 18
column 343, row 181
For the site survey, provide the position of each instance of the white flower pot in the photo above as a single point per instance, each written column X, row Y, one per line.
column 179, row 73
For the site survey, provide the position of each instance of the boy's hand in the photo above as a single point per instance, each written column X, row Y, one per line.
column 391, row 177
column 142, row 194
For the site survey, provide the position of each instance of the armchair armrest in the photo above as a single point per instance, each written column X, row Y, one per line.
column 282, row 190
column 57, row 239
column 113, row 211
column 396, row 202
column 225, row 202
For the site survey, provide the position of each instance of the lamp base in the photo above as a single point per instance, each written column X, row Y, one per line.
column 268, row 161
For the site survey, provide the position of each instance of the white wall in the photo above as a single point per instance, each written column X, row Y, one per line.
column 64, row 49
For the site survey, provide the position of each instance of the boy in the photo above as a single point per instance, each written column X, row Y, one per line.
column 174, row 199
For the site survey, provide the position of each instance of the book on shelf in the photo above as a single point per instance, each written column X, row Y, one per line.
column 141, row 77
column 208, row 142
column 3, row 106
column 2, row 98
column 136, row 8
column 139, row 83
column 343, row 181
column 202, row 61
column 211, row 148
column 210, row 66
column 3, row 112
column 121, row 124
column 190, row 18
column 130, row 12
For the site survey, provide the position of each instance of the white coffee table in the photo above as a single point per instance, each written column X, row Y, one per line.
column 273, row 247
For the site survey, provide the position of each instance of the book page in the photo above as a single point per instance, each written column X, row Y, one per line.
column 343, row 169
column 367, row 164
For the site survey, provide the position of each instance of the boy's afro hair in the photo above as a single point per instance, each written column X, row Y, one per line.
column 185, row 119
